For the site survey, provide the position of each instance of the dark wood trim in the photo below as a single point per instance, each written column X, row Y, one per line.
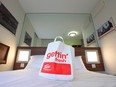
column 4, row 49
column 79, row 51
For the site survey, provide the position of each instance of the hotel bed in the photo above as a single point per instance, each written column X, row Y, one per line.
column 29, row 77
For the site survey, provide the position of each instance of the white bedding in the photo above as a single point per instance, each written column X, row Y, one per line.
column 30, row 78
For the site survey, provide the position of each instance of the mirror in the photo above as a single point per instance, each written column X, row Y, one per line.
column 40, row 29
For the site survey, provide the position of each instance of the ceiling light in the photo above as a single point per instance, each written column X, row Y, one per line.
column 72, row 33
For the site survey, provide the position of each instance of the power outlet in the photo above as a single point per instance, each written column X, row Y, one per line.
column 22, row 65
column 93, row 65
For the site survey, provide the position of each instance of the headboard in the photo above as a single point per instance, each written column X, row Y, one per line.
column 79, row 51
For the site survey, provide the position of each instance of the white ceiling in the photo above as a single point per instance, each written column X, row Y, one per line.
column 50, row 25
column 58, row 6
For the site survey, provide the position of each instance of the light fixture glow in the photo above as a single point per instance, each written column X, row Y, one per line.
column 92, row 57
column 72, row 33
column 23, row 55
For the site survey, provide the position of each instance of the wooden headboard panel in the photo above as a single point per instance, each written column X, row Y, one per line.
column 79, row 51
column 4, row 49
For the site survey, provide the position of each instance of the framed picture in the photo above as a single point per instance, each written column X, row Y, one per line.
column 4, row 49
column 27, row 39
column 90, row 39
column 7, row 19
column 106, row 28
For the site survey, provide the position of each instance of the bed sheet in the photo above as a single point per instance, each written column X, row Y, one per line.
column 31, row 78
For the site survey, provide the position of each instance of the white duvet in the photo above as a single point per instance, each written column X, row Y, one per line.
column 30, row 78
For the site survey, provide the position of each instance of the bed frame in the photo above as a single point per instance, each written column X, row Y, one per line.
column 79, row 51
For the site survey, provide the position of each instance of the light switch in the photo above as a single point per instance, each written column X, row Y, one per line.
column 93, row 65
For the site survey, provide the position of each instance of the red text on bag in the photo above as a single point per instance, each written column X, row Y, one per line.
column 59, row 56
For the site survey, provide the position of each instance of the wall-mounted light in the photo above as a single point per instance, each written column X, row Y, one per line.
column 72, row 33
column 23, row 55
column 92, row 56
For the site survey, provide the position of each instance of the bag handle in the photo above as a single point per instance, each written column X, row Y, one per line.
column 60, row 38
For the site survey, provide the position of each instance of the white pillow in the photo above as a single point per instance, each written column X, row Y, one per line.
column 35, row 62
column 78, row 63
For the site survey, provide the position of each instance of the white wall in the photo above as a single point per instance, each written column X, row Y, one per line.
column 101, row 14
column 87, row 31
column 69, row 41
column 27, row 27
column 44, row 42
column 7, row 37
column 36, row 41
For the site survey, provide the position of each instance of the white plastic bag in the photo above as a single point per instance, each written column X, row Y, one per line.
column 57, row 62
